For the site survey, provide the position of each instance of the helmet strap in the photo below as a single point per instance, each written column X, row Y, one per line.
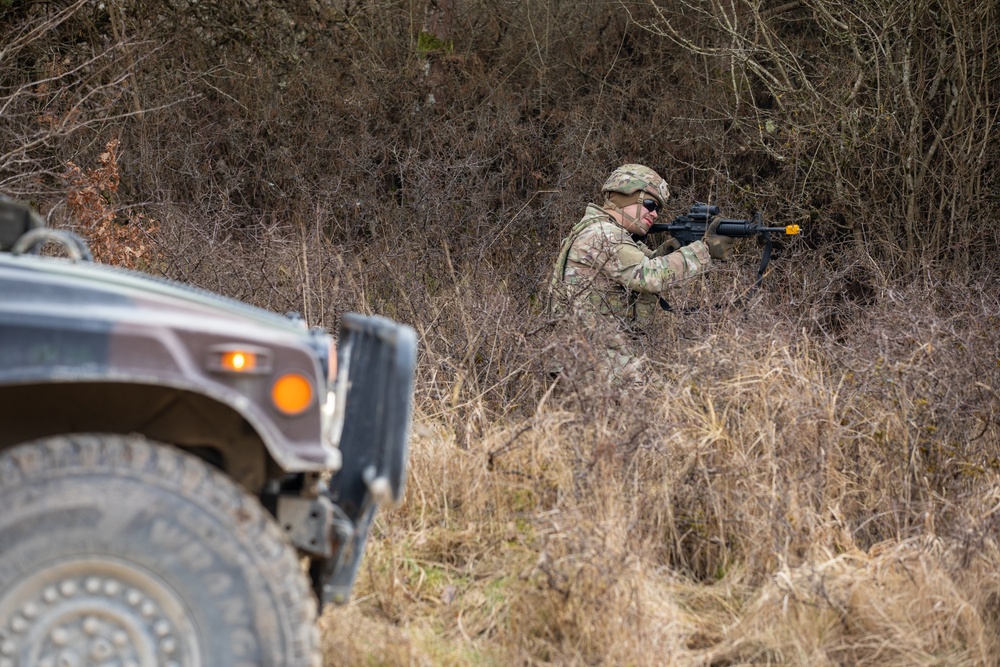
column 632, row 224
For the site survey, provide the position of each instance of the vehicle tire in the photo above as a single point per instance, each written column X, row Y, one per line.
column 118, row 551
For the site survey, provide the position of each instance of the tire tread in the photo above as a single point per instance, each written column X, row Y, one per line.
column 181, row 472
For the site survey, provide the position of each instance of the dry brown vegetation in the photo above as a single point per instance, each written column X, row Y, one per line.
column 812, row 476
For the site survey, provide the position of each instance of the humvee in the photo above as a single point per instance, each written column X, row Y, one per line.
column 185, row 479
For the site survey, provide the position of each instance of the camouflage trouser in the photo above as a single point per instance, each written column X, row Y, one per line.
column 603, row 353
column 623, row 367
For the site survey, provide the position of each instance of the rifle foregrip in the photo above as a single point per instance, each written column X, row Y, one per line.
column 737, row 228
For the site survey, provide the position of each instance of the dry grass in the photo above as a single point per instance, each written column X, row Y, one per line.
column 775, row 495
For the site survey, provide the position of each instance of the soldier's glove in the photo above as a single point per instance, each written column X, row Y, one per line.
column 667, row 247
column 719, row 247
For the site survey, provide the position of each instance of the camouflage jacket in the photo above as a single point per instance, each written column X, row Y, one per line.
column 602, row 270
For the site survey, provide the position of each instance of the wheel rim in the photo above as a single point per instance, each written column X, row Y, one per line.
column 95, row 611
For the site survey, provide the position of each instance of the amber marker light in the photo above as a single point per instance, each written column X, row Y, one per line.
column 239, row 361
column 292, row 393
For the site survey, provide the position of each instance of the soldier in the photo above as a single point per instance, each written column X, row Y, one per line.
column 612, row 283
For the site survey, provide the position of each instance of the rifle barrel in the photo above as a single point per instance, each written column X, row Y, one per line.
column 790, row 230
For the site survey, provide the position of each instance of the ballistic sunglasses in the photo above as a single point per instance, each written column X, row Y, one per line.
column 651, row 205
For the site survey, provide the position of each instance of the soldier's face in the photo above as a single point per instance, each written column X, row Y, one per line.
column 636, row 218
column 650, row 209
column 640, row 213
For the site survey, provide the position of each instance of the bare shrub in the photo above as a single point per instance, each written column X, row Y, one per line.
column 56, row 87
column 887, row 129
column 90, row 203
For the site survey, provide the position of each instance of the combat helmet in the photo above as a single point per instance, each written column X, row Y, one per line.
column 631, row 178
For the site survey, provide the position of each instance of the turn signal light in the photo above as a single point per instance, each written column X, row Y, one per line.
column 292, row 393
column 792, row 229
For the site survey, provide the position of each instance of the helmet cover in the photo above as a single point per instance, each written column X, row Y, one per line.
column 631, row 178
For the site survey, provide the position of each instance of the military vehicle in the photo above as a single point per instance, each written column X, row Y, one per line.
column 183, row 477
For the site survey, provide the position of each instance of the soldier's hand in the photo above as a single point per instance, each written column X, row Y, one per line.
column 667, row 247
column 719, row 247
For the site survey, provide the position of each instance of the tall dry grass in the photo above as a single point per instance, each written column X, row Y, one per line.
column 783, row 491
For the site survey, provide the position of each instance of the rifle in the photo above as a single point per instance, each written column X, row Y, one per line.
column 691, row 227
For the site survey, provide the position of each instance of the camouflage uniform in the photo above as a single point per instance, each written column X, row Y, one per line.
column 611, row 283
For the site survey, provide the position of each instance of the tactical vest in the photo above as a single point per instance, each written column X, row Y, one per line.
column 631, row 310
